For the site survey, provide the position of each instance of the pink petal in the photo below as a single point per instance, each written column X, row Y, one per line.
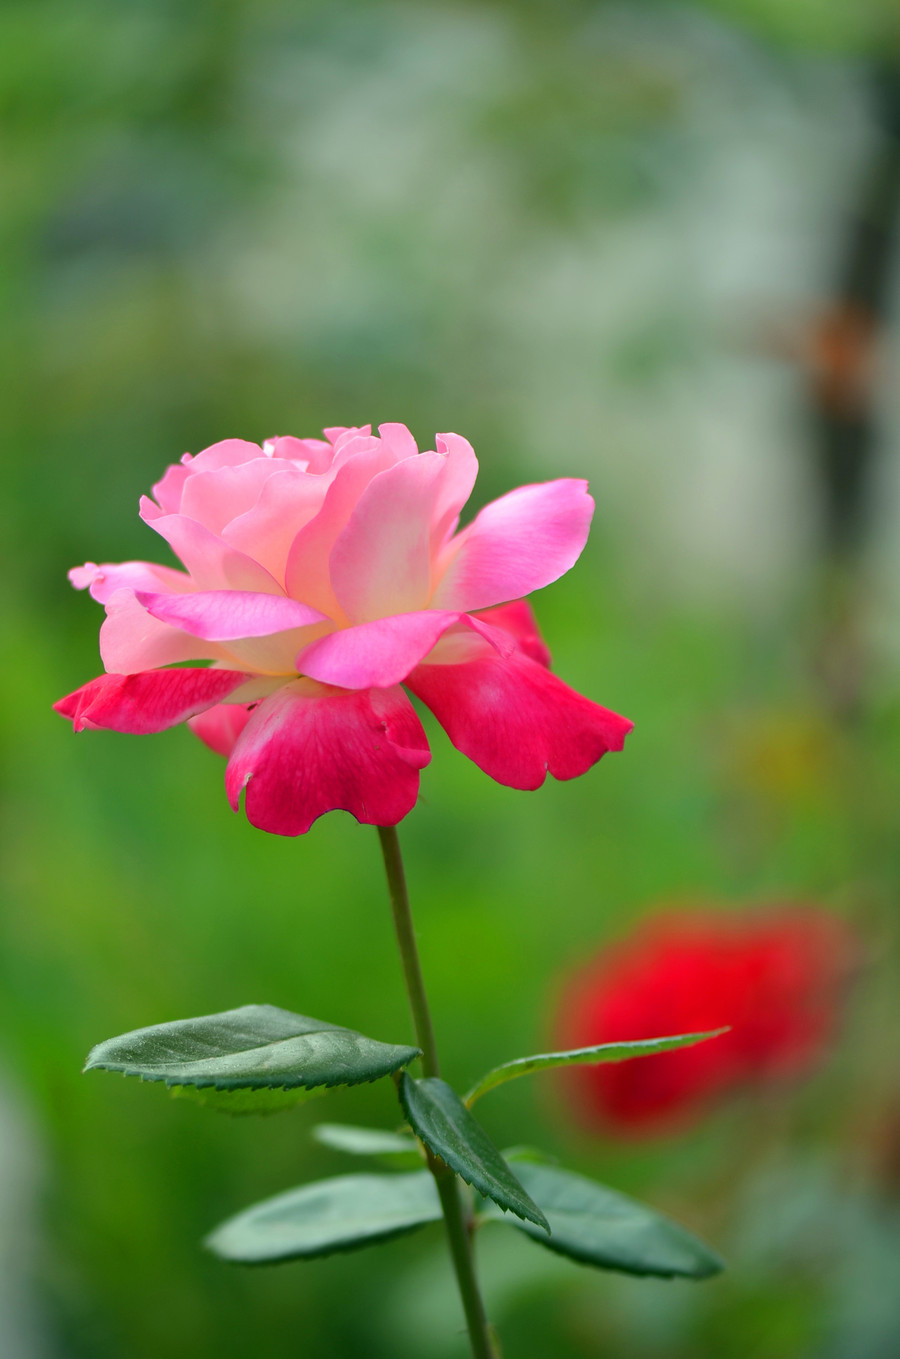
column 341, row 436
column 212, row 564
column 399, row 440
column 466, row 639
column 315, row 453
column 104, row 580
column 308, row 750
column 226, row 615
column 519, row 621
column 459, row 479
column 517, row 544
column 216, row 497
column 132, row 640
column 516, row 720
column 354, row 444
column 226, row 453
column 307, row 575
column 219, row 727
column 149, row 701
column 288, row 501
column 274, row 655
column 170, row 488
column 229, row 453
column 381, row 563
column 376, row 654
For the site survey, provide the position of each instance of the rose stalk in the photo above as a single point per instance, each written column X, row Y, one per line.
column 322, row 579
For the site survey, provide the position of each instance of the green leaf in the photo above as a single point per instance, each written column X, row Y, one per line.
column 394, row 1148
column 343, row 1213
column 271, row 1056
column 603, row 1052
column 598, row 1226
column 437, row 1115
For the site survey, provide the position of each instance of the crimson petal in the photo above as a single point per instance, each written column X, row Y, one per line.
column 516, row 720
column 519, row 621
column 149, row 700
column 310, row 749
column 219, row 727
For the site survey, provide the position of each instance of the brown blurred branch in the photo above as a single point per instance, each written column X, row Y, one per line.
column 843, row 347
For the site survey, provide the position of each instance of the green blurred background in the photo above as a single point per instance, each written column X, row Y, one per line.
column 597, row 239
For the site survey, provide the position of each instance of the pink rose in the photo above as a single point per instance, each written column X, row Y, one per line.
column 319, row 577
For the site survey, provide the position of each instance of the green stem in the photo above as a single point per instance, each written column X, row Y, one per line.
column 409, row 953
column 460, row 1239
column 448, row 1184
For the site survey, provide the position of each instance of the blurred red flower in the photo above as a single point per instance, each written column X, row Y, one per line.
column 777, row 976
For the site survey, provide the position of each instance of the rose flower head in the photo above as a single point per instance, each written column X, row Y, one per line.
column 319, row 577
column 776, row 976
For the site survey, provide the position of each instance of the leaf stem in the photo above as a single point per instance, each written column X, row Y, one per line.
column 448, row 1184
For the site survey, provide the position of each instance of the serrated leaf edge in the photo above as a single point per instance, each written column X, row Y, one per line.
column 227, row 1083
column 235, row 1083
column 541, row 1222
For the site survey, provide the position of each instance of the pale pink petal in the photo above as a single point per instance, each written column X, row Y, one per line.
column 308, row 750
column 459, row 479
column 149, row 701
column 399, row 440
column 219, row 727
column 169, row 490
column 384, row 651
column 288, row 501
column 381, row 563
column 516, row 720
column 316, row 453
column 212, row 564
column 229, row 453
column 216, row 497
column 376, row 654
column 255, row 687
column 226, row 453
column 104, row 580
column 275, row 655
column 353, row 445
column 517, row 544
column 225, row 615
column 131, row 640
column 500, row 638
column 307, row 575
column 467, row 639
column 83, row 576
column 463, row 642
column 519, row 621
column 339, row 436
